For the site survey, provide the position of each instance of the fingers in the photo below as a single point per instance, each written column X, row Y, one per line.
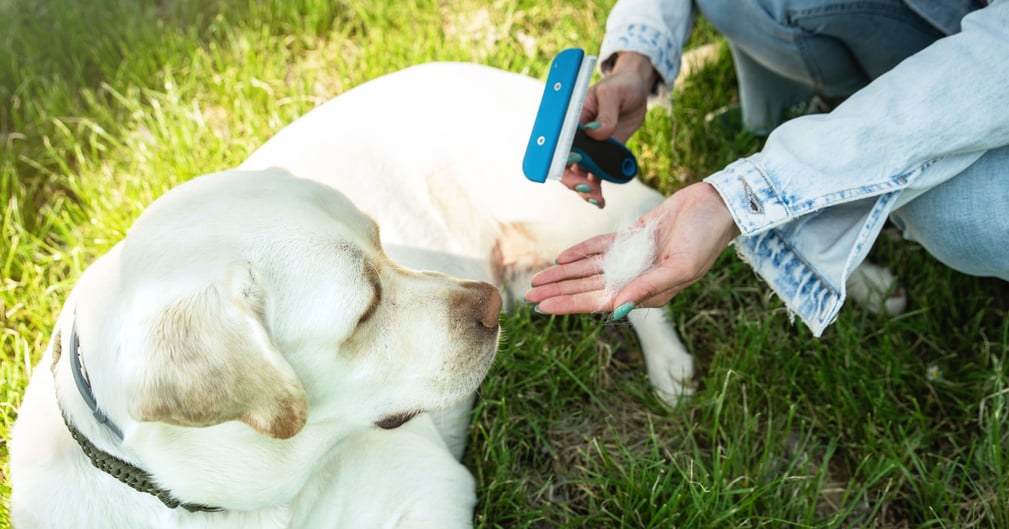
column 569, row 288
column 619, row 106
column 589, row 247
column 590, row 107
column 585, row 184
column 656, row 287
column 579, row 269
column 605, row 122
column 576, row 283
column 588, row 294
column 600, row 112
column 580, row 303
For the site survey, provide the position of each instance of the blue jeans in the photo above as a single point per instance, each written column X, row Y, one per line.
column 786, row 51
column 964, row 222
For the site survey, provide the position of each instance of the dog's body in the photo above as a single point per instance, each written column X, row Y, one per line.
column 250, row 332
column 443, row 145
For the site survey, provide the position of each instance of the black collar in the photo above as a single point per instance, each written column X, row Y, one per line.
column 129, row 474
column 84, row 384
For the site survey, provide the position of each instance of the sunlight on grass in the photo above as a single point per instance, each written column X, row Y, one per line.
column 885, row 422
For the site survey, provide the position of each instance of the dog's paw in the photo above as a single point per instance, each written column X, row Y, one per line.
column 876, row 288
column 670, row 366
column 672, row 377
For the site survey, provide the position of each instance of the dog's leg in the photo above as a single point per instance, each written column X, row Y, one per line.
column 393, row 479
column 670, row 366
column 452, row 424
column 876, row 288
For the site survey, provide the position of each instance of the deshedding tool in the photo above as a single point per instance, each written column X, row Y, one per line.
column 556, row 132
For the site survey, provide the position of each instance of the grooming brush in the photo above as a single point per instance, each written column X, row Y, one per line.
column 556, row 133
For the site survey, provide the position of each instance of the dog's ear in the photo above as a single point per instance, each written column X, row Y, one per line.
column 209, row 359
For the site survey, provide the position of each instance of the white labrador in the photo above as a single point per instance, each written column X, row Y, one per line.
column 262, row 360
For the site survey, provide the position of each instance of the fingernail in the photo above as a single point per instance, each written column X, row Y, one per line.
column 623, row 310
column 582, row 188
column 593, row 125
column 536, row 309
column 574, row 158
column 594, row 202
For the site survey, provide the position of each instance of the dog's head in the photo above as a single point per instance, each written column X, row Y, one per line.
column 262, row 298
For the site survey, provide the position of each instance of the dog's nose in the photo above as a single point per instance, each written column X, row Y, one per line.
column 487, row 303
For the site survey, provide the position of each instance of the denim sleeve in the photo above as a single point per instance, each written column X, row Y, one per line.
column 654, row 28
column 810, row 204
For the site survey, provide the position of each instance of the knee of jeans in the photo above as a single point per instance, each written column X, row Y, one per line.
column 974, row 242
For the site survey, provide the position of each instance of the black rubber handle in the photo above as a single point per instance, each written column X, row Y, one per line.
column 608, row 159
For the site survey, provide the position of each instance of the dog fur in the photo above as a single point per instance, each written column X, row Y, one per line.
column 257, row 326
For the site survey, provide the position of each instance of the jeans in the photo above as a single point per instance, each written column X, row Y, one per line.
column 964, row 222
column 786, row 51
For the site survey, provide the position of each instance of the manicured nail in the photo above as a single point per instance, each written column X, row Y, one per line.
column 574, row 158
column 594, row 202
column 582, row 188
column 623, row 310
column 536, row 309
column 593, row 125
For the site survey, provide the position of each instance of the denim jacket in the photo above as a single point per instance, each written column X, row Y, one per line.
column 812, row 202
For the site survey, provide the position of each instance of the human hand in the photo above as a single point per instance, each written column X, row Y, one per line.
column 615, row 106
column 691, row 229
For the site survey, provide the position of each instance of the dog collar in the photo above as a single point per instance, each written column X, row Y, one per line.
column 125, row 472
column 84, row 384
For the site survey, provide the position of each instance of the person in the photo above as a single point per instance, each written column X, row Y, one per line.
column 921, row 136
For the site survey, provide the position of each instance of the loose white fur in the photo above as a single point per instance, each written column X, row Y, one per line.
column 631, row 254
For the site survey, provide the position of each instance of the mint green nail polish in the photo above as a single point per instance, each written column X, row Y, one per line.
column 582, row 188
column 623, row 310
column 536, row 309
column 594, row 202
column 593, row 125
column 574, row 158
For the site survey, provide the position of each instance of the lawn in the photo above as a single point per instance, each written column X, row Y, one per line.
column 888, row 422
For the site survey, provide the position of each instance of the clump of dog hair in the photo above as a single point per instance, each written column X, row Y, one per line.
column 631, row 254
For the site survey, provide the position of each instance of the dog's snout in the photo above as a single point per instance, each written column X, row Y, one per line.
column 485, row 300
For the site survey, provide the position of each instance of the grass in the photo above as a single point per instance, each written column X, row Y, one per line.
column 885, row 422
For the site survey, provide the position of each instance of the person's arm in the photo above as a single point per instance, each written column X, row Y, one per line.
column 655, row 29
column 809, row 205
column 948, row 100
column 812, row 202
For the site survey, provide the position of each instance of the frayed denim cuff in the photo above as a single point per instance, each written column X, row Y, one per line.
column 757, row 209
column 793, row 280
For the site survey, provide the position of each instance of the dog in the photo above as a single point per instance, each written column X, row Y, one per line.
column 296, row 342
